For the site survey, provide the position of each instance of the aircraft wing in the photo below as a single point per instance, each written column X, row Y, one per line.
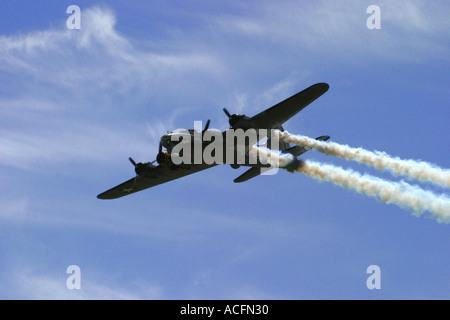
column 283, row 111
column 162, row 174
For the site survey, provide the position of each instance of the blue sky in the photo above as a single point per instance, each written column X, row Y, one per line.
column 75, row 104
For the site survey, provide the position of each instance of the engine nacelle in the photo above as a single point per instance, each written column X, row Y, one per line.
column 145, row 169
column 163, row 159
column 235, row 166
column 239, row 121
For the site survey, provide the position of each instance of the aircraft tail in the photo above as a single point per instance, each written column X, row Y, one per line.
column 285, row 147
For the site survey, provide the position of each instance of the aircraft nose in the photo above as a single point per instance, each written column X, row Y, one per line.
column 165, row 139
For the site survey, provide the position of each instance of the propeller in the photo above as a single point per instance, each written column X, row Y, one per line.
column 132, row 161
column 206, row 126
column 233, row 118
column 227, row 113
column 137, row 166
column 143, row 169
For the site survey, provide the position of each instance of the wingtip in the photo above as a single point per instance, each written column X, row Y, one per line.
column 323, row 138
column 102, row 196
column 323, row 85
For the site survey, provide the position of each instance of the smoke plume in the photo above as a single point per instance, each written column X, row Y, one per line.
column 402, row 194
column 418, row 170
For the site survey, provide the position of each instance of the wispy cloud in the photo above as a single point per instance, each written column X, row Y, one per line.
column 65, row 83
column 95, row 52
column 337, row 30
column 30, row 285
column 68, row 143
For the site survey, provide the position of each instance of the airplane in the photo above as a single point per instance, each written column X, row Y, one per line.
column 149, row 175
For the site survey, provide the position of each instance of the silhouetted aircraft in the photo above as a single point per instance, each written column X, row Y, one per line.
column 149, row 175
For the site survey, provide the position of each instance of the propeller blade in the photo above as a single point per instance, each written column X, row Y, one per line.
column 226, row 112
column 206, row 126
column 160, row 147
column 132, row 161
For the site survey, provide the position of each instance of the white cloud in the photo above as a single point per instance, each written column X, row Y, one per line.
column 337, row 29
column 66, row 81
column 98, row 41
column 30, row 285
column 67, row 142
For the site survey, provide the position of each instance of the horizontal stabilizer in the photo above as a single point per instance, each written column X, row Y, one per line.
column 247, row 175
column 298, row 150
column 323, row 138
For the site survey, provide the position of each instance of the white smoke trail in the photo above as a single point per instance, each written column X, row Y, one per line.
column 402, row 194
column 273, row 157
column 418, row 170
